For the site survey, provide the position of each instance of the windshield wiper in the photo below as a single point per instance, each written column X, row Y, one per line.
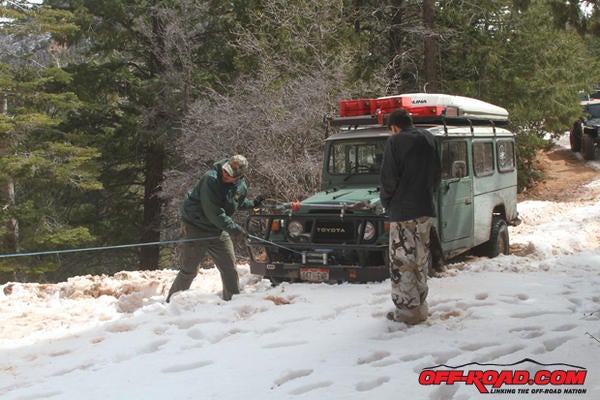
column 340, row 195
column 351, row 175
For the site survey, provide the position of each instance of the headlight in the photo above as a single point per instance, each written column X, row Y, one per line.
column 295, row 228
column 370, row 231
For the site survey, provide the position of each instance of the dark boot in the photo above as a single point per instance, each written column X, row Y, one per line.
column 411, row 316
column 183, row 281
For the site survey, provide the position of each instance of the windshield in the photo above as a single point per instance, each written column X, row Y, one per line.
column 593, row 110
column 348, row 157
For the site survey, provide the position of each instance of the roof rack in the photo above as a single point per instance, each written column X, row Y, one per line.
column 361, row 120
column 424, row 108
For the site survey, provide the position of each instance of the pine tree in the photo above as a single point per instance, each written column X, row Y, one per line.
column 40, row 167
column 163, row 53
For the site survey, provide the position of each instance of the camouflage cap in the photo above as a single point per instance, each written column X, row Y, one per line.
column 236, row 166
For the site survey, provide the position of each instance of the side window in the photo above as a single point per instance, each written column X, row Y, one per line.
column 505, row 150
column 454, row 159
column 483, row 158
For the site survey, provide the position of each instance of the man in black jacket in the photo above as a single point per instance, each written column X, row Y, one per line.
column 409, row 174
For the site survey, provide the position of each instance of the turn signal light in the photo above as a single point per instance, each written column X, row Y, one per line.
column 386, row 226
column 276, row 225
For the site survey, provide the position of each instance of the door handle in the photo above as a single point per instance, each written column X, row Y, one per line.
column 447, row 185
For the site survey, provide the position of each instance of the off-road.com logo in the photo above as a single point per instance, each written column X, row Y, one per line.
column 501, row 380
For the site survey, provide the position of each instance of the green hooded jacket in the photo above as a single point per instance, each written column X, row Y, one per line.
column 210, row 204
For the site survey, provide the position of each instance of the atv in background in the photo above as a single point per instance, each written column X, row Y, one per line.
column 584, row 136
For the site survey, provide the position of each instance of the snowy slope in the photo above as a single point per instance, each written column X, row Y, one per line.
column 115, row 338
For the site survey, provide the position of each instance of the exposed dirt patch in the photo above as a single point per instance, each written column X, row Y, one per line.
column 566, row 175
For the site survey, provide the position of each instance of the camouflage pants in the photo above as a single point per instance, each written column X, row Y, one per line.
column 409, row 262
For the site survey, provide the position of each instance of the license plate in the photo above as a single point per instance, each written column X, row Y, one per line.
column 314, row 274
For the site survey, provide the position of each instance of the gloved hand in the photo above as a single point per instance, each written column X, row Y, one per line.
column 258, row 200
column 241, row 232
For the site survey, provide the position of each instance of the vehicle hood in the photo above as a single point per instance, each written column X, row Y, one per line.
column 361, row 199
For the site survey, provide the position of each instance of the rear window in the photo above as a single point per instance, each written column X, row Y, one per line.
column 506, row 155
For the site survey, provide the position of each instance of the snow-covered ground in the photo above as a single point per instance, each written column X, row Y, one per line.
column 115, row 338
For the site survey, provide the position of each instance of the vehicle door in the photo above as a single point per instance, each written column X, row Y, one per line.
column 455, row 192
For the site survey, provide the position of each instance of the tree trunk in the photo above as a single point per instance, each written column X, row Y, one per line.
column 356, row 15
column 11, row 238
column 154, row 165
column 429, row 56
column 7, row 196
column 395, row 37
column 154, row 160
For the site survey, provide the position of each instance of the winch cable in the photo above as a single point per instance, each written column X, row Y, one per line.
column 274, row 244
column 122, row 246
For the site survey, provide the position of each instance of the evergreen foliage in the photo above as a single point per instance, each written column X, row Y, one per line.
column 111, row 109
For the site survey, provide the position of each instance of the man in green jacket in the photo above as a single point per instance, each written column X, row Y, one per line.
column 206, row 213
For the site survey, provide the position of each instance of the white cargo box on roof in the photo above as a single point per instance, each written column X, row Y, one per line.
column 424, row 108
column 465, row 107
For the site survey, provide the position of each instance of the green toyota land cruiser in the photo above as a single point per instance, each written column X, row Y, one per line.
column 341, row 233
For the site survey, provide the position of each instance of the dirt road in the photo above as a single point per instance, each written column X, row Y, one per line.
column 566, row 176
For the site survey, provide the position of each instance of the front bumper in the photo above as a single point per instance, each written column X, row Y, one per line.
column 319, row 273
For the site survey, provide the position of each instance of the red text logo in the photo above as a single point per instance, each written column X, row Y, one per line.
column 520, row 381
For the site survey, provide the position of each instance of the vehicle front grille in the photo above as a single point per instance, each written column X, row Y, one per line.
column 334, row 232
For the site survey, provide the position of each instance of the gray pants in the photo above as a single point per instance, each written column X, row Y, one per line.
column 410, row 257
column 220, row 250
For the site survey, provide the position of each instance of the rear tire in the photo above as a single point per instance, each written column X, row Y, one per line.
column 575, row 137
column 499, row 240
column 587, row 147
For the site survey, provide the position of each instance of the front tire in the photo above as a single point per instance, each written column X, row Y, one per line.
column 587, row 147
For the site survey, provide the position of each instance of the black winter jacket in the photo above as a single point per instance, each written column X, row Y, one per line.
column 409, row 174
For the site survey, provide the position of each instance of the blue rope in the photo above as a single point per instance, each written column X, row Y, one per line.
column 122, row 246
